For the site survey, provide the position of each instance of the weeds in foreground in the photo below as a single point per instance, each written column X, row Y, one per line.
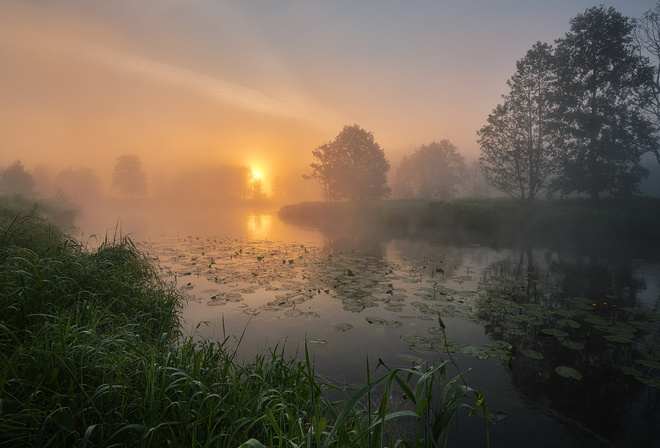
column 91, row 355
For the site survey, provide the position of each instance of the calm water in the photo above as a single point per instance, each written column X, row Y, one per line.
column 565, row 347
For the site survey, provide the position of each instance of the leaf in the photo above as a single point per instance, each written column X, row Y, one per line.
column 569, row 323
column 652, row 363
column 532, row 354
column 343, row 327
column 573, row 345
column 553, row 332
column 621, row 337
column 568, row 372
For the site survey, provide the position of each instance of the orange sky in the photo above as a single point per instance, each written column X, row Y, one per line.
column 199, row 82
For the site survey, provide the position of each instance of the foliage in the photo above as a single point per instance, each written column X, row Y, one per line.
column 352, row 166
column 433, row 171
column 518, row 155
column 91, row 354
column 603, row 84
column 15, row 180
column 128, row 177
column 647, row 33
column 79, row 184
column 611, row 225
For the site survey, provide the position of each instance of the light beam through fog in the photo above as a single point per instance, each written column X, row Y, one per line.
column 212, row 88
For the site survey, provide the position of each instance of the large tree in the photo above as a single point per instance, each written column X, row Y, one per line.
column 433, row 171
column 517, row 150
column 647, row 32
column 603, row 85
column 352, row 166
column 128, row 177
column 16, row 180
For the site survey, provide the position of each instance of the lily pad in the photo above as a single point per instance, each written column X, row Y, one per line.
column 554, row 332
column 573, row 345
column 532, row 354
column 652, row 363
column 471, row 350
column 568, row 372
column 621, row 337
column 343, row 327
column 568, row 323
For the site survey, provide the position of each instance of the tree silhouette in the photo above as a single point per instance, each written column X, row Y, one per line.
column 433, row 171
column 16, row 180
column 647, row 33
column 517, row 145
column 352, row 166
column 128, row 177
column 603, row 85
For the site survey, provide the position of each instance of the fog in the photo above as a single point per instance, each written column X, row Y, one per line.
column 196, row 86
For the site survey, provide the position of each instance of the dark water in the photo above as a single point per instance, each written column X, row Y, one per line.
column 565, row 347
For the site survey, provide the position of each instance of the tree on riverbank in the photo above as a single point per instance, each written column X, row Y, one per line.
column 647, row 34
column 352, row 166
column 603, row 85
column 433, row 171
column 128, row 177
column 517, row 151
column 16, row 180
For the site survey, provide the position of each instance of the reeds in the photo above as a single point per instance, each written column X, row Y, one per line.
column 91, row 355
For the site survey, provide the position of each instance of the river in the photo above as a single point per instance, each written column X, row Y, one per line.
column 565, row 347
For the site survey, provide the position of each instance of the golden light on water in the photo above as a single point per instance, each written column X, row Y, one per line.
column 259, row 225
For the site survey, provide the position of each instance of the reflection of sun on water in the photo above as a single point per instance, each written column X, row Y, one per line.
column 259, row 226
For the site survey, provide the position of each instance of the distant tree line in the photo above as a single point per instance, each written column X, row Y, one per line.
column 82, row 185
column 577, row 119
column 579, row 116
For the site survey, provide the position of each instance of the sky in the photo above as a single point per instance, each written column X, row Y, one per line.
column 193, row 83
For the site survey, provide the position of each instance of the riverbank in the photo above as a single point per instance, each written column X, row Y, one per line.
column 92, row 354
column 574, row 223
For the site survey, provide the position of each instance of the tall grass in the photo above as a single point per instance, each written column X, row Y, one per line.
column 92, row 355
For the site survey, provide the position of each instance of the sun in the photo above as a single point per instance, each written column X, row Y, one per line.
column 256, row 174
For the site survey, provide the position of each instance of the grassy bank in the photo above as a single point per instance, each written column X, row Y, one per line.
column 92, row 355
column 574, row 223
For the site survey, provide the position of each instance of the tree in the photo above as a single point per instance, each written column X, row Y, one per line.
column 16, row 180
column 433, row 171
column 517, row 150
column 603, row 85
column 647, row 34
column 128, row 177
column 80, row 184
column 352, row 166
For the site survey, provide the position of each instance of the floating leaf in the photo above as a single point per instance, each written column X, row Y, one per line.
column 568, row 372
column 652, row 363
column 631, row 371
column 471, row 350
column 573, row 345
column 651, row 382
column 532, row 354
column 621, row 337
column 343, row 327
column 317, row 341
column 569, row 323
column 554, row 332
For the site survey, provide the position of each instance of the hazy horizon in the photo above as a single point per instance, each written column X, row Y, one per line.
column 188, row 85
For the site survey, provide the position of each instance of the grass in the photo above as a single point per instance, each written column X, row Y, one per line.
column 565, row 223
column 92, row 355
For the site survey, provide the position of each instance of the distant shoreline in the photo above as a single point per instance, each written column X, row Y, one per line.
column 609, row 225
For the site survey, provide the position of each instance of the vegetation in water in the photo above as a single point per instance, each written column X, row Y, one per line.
column 92, row 354
column 567, row 224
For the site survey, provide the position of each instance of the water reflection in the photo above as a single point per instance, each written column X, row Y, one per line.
column 548, row 336
column 587, row 317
